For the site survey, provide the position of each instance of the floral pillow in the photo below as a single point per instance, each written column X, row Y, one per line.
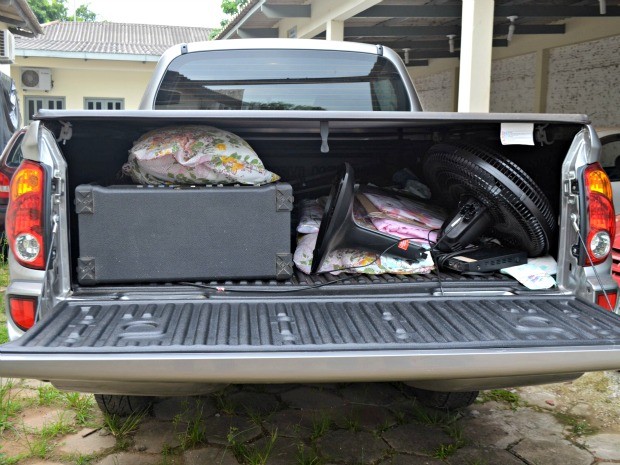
column 356, row 261
column 197, row 155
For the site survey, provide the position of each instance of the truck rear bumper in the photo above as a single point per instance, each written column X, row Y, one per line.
column 473, row 368
column 281, row 340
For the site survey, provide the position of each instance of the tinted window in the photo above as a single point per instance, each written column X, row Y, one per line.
column 282, row 80
column 610, row 158
column 15, row 156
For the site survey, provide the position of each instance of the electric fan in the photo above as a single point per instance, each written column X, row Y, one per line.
column 491, row 195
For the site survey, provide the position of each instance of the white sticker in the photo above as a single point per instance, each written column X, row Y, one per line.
column 517, row 134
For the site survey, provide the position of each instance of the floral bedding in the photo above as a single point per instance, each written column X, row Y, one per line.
column 356, row 261
column 195, row 155
column 360, row 261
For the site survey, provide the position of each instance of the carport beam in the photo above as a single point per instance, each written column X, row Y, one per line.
column 476, row 55
column 334, row 30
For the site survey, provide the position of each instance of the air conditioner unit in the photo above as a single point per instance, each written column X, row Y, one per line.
column 7, row 47
column 36, row 79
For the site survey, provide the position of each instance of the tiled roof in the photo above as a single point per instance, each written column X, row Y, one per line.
column 115, row 38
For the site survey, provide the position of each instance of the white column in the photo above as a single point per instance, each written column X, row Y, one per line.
column 476, row 55
column 334, row 30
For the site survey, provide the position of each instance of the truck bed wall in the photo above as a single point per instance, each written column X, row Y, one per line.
column 98, row 149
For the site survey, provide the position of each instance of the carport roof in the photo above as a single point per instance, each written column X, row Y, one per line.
column 421, row 26
column 20, row 18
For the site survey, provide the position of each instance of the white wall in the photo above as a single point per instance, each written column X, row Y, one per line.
column 584, row 78
column 575, row 72
column 437, row 92
column 513, row 84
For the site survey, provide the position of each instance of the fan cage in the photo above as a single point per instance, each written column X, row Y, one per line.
column 454, row 171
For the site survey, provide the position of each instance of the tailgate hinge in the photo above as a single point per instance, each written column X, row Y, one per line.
column 571, row 188
column 66, row 132
column 58, row 187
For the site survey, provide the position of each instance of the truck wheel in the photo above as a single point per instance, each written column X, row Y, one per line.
column 123, row 406
column 445, row 400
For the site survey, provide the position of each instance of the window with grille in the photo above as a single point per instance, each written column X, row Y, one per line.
column 104, row 104
column 35, row 103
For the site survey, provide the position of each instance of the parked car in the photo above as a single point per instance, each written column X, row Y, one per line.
column 9, row 161
column 610, row 160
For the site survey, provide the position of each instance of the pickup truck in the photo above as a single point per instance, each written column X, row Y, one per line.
column 306, row 107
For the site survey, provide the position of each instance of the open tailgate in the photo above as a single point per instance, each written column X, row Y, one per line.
column 288, row 339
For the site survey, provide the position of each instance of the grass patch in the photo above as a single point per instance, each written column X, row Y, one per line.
column 81, row 404
column 444, row 451
column 4, row 331
column 251, row 454
column 502, row 395
column 9, row 406
column 39, row 446
column 577, row 426
column 307, row 455
column 122, row 427
column 433, row 417
column 223, row 403
column 49, row 395
column 83, row 459
column 195, row 430
column 6, row 460
column 321, row 424
column 59, row 428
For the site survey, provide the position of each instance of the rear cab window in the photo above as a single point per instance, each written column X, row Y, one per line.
column 282, row 80
column 14, row 157
column 610, row 157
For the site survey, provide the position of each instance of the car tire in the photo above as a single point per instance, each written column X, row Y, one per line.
column 445, row 400
column 123, row 406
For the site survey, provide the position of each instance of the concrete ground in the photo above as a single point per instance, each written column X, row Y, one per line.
column 574, row 423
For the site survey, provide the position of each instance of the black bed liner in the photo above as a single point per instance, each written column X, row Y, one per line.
column 332, row 282
column 287, row 323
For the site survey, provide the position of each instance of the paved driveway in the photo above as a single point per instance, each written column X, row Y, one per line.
column 573, row 423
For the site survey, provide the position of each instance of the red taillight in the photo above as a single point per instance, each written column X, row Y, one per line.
column 24, row 216
column 4, row 186
column 23, row 310
column 605, row 302
column 600, row 214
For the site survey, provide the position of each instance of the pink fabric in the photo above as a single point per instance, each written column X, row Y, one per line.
column 406, row 218
column 404, row 230
column 399, row 208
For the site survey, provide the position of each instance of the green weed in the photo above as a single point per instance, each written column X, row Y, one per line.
column 49, row 395
column 433, row 417
column 577, row 426
column 81, row 404
column 122, row 427
column 400, row 418
column 4, row 331
column 195, row 430
column 83, row 459
column 444, row 451
column 307, row 456
column 58, row 428
column 352, row 424
column 250, row 454
column 39, row 446
column 9, row 406
column 502, row 395
column 5, row 460
column 224, row 404
column 321, row 424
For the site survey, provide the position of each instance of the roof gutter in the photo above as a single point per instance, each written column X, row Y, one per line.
column 24, row 53
column 252, row 7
